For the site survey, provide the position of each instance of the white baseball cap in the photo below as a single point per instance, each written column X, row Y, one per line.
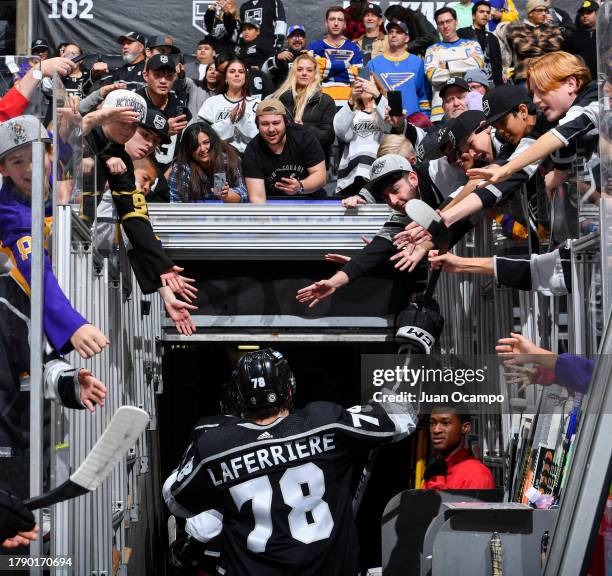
column 119, row 98
column 19, row 131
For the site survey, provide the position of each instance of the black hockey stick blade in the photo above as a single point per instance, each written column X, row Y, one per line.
column 120, row 435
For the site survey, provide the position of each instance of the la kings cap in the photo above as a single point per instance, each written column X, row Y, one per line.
column 159, row 61
column 158, row 123
column 119, row 98
column 19, row 131
column 385, row 171
column 463, row 126
column 499, row 101
column 460, row 82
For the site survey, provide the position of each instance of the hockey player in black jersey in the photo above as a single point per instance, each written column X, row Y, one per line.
column 281, row 477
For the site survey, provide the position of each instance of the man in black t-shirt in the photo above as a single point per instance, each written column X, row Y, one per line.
column 282, row 160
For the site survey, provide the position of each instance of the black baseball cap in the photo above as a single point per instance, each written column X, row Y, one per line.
column 132, row 37
column 372, row 8
column 40, row 44
column 161, row 40
column 588, row 6
column 161, row 61
column 463, row 126
column 158, row 123
column 499, row 101
column 397, row 24
column 460, row 82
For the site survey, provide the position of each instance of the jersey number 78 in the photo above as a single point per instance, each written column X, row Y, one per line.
column 259, row 490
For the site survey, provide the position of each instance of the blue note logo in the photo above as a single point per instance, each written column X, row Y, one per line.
column 393, row 80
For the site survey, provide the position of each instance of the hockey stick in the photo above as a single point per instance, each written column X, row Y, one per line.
column 428, row 218
column 120, row 435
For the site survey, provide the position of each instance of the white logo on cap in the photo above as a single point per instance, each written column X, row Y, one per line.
column 163, row 59
column 486, row 108
column 378, row 168
column 38, row 42
column 420, row 152
column 159, row 122
column 441, row 134
column 450, row 81
column 451, row 137
column 20, row 134
column 134, row 103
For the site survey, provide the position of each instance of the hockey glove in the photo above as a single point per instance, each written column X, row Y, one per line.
column 14, row 516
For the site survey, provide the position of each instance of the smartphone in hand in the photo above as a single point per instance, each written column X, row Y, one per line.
column 219, row 181
column 394, row 97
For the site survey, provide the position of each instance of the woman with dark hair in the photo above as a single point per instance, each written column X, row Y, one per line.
column 196, row 92
column 231, row 113
column 202, row 161
column 78, row 82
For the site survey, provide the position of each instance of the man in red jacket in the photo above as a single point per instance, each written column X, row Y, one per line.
column 453, row 467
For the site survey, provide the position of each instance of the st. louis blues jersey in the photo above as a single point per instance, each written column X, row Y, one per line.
column 406, row 74
column 338, row 66
column 284, row 488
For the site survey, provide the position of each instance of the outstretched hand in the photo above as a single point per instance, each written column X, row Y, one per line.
column 92, row 390
column 314, row 293
column 180, row 285
column 413, row 234
column 178, row 312
column 408, row 257
column 491, row 174
column 448, row 261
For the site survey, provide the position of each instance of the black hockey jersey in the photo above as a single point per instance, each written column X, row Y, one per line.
column 284, row 488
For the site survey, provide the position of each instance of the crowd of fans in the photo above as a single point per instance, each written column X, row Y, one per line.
column 336, row 86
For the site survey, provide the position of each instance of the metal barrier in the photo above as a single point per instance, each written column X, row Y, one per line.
column 94, row 527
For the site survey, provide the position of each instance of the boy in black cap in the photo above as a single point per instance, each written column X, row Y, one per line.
column 583, row 40
column 252, row 49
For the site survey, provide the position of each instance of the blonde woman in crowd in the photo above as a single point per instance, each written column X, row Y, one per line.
column 305, row 103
